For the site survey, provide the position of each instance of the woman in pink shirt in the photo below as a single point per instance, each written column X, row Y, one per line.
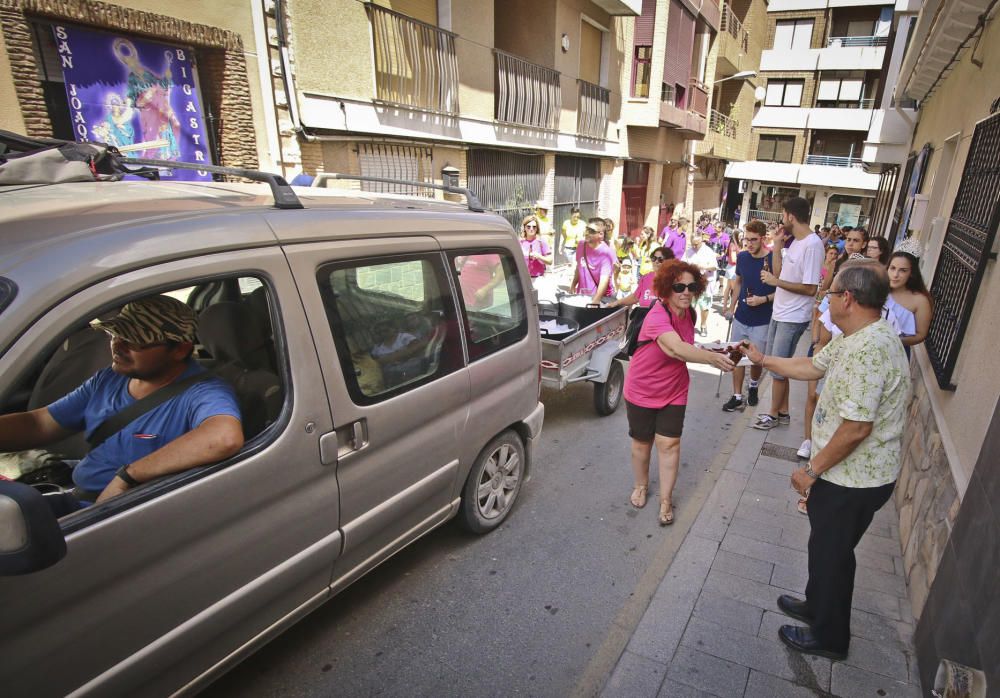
column 656, row 386
column 536, row 251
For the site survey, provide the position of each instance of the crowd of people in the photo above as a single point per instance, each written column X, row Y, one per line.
column 864, row 306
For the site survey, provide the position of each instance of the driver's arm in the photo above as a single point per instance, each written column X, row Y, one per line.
column 23, row 430
column 213, row 440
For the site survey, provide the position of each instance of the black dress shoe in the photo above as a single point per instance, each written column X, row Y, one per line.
column 803, row 640
column 798, row 610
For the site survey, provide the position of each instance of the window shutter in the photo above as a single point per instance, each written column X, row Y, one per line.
column 783, row 34
column 829, row 90
column 680, row 44
column 644, row 24
column 793, row 94
column 803, row 34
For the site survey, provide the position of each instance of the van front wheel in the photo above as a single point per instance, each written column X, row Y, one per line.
column 493, row 484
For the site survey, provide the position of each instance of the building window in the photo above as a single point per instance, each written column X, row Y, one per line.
column 795, row 33
column 641, row 68
column 846, row 89
column 775, row 148
column 784, row 93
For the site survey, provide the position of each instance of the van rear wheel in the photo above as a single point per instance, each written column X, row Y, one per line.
column 493, row 484
column 608, row 395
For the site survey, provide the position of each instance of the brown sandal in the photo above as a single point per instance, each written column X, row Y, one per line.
column 666, row 513
column 638, row 498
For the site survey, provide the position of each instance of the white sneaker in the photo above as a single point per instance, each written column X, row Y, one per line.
column 805, row 450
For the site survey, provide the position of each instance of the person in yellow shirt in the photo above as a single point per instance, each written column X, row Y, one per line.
column 542, row 214
column 572, row 232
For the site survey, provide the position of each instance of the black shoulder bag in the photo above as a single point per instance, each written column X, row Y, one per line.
column 631, row 344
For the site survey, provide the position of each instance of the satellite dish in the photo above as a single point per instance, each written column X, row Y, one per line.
column 760, row 93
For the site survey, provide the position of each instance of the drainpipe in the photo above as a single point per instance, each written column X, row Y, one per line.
column 286, row 76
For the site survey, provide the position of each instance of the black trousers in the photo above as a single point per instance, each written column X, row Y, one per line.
column 839, row 517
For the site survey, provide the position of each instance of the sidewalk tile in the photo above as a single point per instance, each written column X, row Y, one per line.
column 867, row 578
column 879, row 561
column 672, row 689
column 634, row 676
column 879, row 545
column 746, row 590
column 851, row 681
column 777, row 554
column 781, row 505
column 751, row 651
column 777, row 466
column 708, row 673
column 879, row 603
column 715, row 608
column 878, row 658
column 659, row 632
column 797, row 538
column 766, row 686
column 743, row 566
column 718, row 510
column 790, row 435
column 790, row 520
column 765, row 532
column 793, row 578
column 687, row 572
column 763, row 482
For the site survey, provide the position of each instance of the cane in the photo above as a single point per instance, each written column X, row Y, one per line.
column 729, row 334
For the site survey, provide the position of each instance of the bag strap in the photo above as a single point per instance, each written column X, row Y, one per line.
column 587, row 264
column 644, row 342
column 118, row 421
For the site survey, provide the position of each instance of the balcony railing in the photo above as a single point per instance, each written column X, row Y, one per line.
column 732, row 24
column 698, row 97
column 415, row 63
column 834, row 161
column 851, row 41
column 592, row 114
column 526, row 94
column 722, row 124
column 770, row 216
column 868, row 103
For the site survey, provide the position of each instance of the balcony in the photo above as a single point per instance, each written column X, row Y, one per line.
column 834, row 161
column 415, row 63
column 526, row 94
column 681, row 115
column 724, row 138
column 721, row 124
column 592, row 112
column 853, row 41
column 734, row 40
column 698, row 98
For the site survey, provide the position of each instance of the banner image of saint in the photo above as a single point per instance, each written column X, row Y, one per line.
column 138, row 95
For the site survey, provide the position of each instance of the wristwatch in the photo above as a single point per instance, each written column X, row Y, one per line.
column 810, row 472
column 124, row 475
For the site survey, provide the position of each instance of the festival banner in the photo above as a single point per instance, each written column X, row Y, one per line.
column 138, row 95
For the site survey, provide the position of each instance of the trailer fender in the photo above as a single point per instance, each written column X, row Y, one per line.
column 600, row 361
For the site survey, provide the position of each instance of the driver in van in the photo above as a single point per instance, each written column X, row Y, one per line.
column 152, row 340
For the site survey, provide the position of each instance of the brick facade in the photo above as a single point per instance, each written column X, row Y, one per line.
column 809, row 80
column 221, row 63
column 798, row 150
column 819, row 26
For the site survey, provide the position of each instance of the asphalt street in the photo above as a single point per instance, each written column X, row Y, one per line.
column 521, row 611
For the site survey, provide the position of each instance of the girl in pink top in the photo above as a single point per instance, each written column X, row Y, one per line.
column 643, row 293
column 656, row 386
column 536, row 251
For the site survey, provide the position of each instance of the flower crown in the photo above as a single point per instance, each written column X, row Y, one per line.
column 911, row 246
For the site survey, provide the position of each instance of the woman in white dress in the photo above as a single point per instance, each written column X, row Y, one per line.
column 907, row 289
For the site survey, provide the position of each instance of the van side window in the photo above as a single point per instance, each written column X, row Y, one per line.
column 495, row 311
column 393, row 323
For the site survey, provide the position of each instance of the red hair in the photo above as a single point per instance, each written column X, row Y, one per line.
column 670, row 271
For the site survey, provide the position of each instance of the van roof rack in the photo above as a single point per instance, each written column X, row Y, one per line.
column 284, row 197
column 471, row 200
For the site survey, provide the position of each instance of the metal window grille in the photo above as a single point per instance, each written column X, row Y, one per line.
column 505, row 182
column 408, row 162
column 526, row 94
column 578, row 183
column 592, row 110
column 883, row 200
column 415, row 63
column 967, row 246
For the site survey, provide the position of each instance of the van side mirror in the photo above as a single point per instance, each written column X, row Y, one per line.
column 30, row 537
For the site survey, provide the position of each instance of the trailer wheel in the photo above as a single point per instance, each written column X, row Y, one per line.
column 608, row 395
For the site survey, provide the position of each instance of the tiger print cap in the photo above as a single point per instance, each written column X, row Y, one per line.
column 151, row 320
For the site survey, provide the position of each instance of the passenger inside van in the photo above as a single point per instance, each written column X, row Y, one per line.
column 198, row 422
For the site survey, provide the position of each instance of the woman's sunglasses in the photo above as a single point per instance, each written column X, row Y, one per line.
column 531, row 225
column 679, row 288
column 657, row 259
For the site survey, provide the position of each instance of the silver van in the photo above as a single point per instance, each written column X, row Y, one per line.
column 159, row 590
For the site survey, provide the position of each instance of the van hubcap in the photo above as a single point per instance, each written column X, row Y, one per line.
column 499, row 479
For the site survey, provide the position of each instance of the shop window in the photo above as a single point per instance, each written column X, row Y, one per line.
column 495, row 311
column 775, row 148
column 784, row 93
column 393, row 323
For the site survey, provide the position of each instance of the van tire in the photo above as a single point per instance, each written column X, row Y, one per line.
column 608, row 395
column 489, row 495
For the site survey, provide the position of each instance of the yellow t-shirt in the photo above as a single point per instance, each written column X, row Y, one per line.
column 573, row 234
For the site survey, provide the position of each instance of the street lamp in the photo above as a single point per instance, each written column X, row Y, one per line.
column 742, row 75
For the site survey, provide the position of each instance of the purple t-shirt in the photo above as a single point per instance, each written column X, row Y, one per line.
column 644, row 291
column 538, row 246
column 593, row 265
column 676, row 241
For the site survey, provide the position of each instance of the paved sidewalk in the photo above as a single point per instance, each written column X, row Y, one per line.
column 711, row 628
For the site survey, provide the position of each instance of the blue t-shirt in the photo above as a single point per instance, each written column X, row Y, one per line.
column 106, row 393
column 748, row 268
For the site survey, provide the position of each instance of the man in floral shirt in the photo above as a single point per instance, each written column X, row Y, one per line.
column 857, row 441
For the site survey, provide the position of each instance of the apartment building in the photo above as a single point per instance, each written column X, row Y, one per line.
column 733, row 63
column 946, row 197
column 178, row 83
column 825, row 69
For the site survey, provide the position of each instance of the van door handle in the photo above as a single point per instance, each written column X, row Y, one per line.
column 351, row 438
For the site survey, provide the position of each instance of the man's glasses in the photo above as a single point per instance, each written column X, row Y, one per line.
column 679, row 288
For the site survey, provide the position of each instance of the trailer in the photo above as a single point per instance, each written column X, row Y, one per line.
column 589, row 354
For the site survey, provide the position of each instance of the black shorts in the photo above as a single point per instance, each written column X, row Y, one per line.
column 645, row 422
